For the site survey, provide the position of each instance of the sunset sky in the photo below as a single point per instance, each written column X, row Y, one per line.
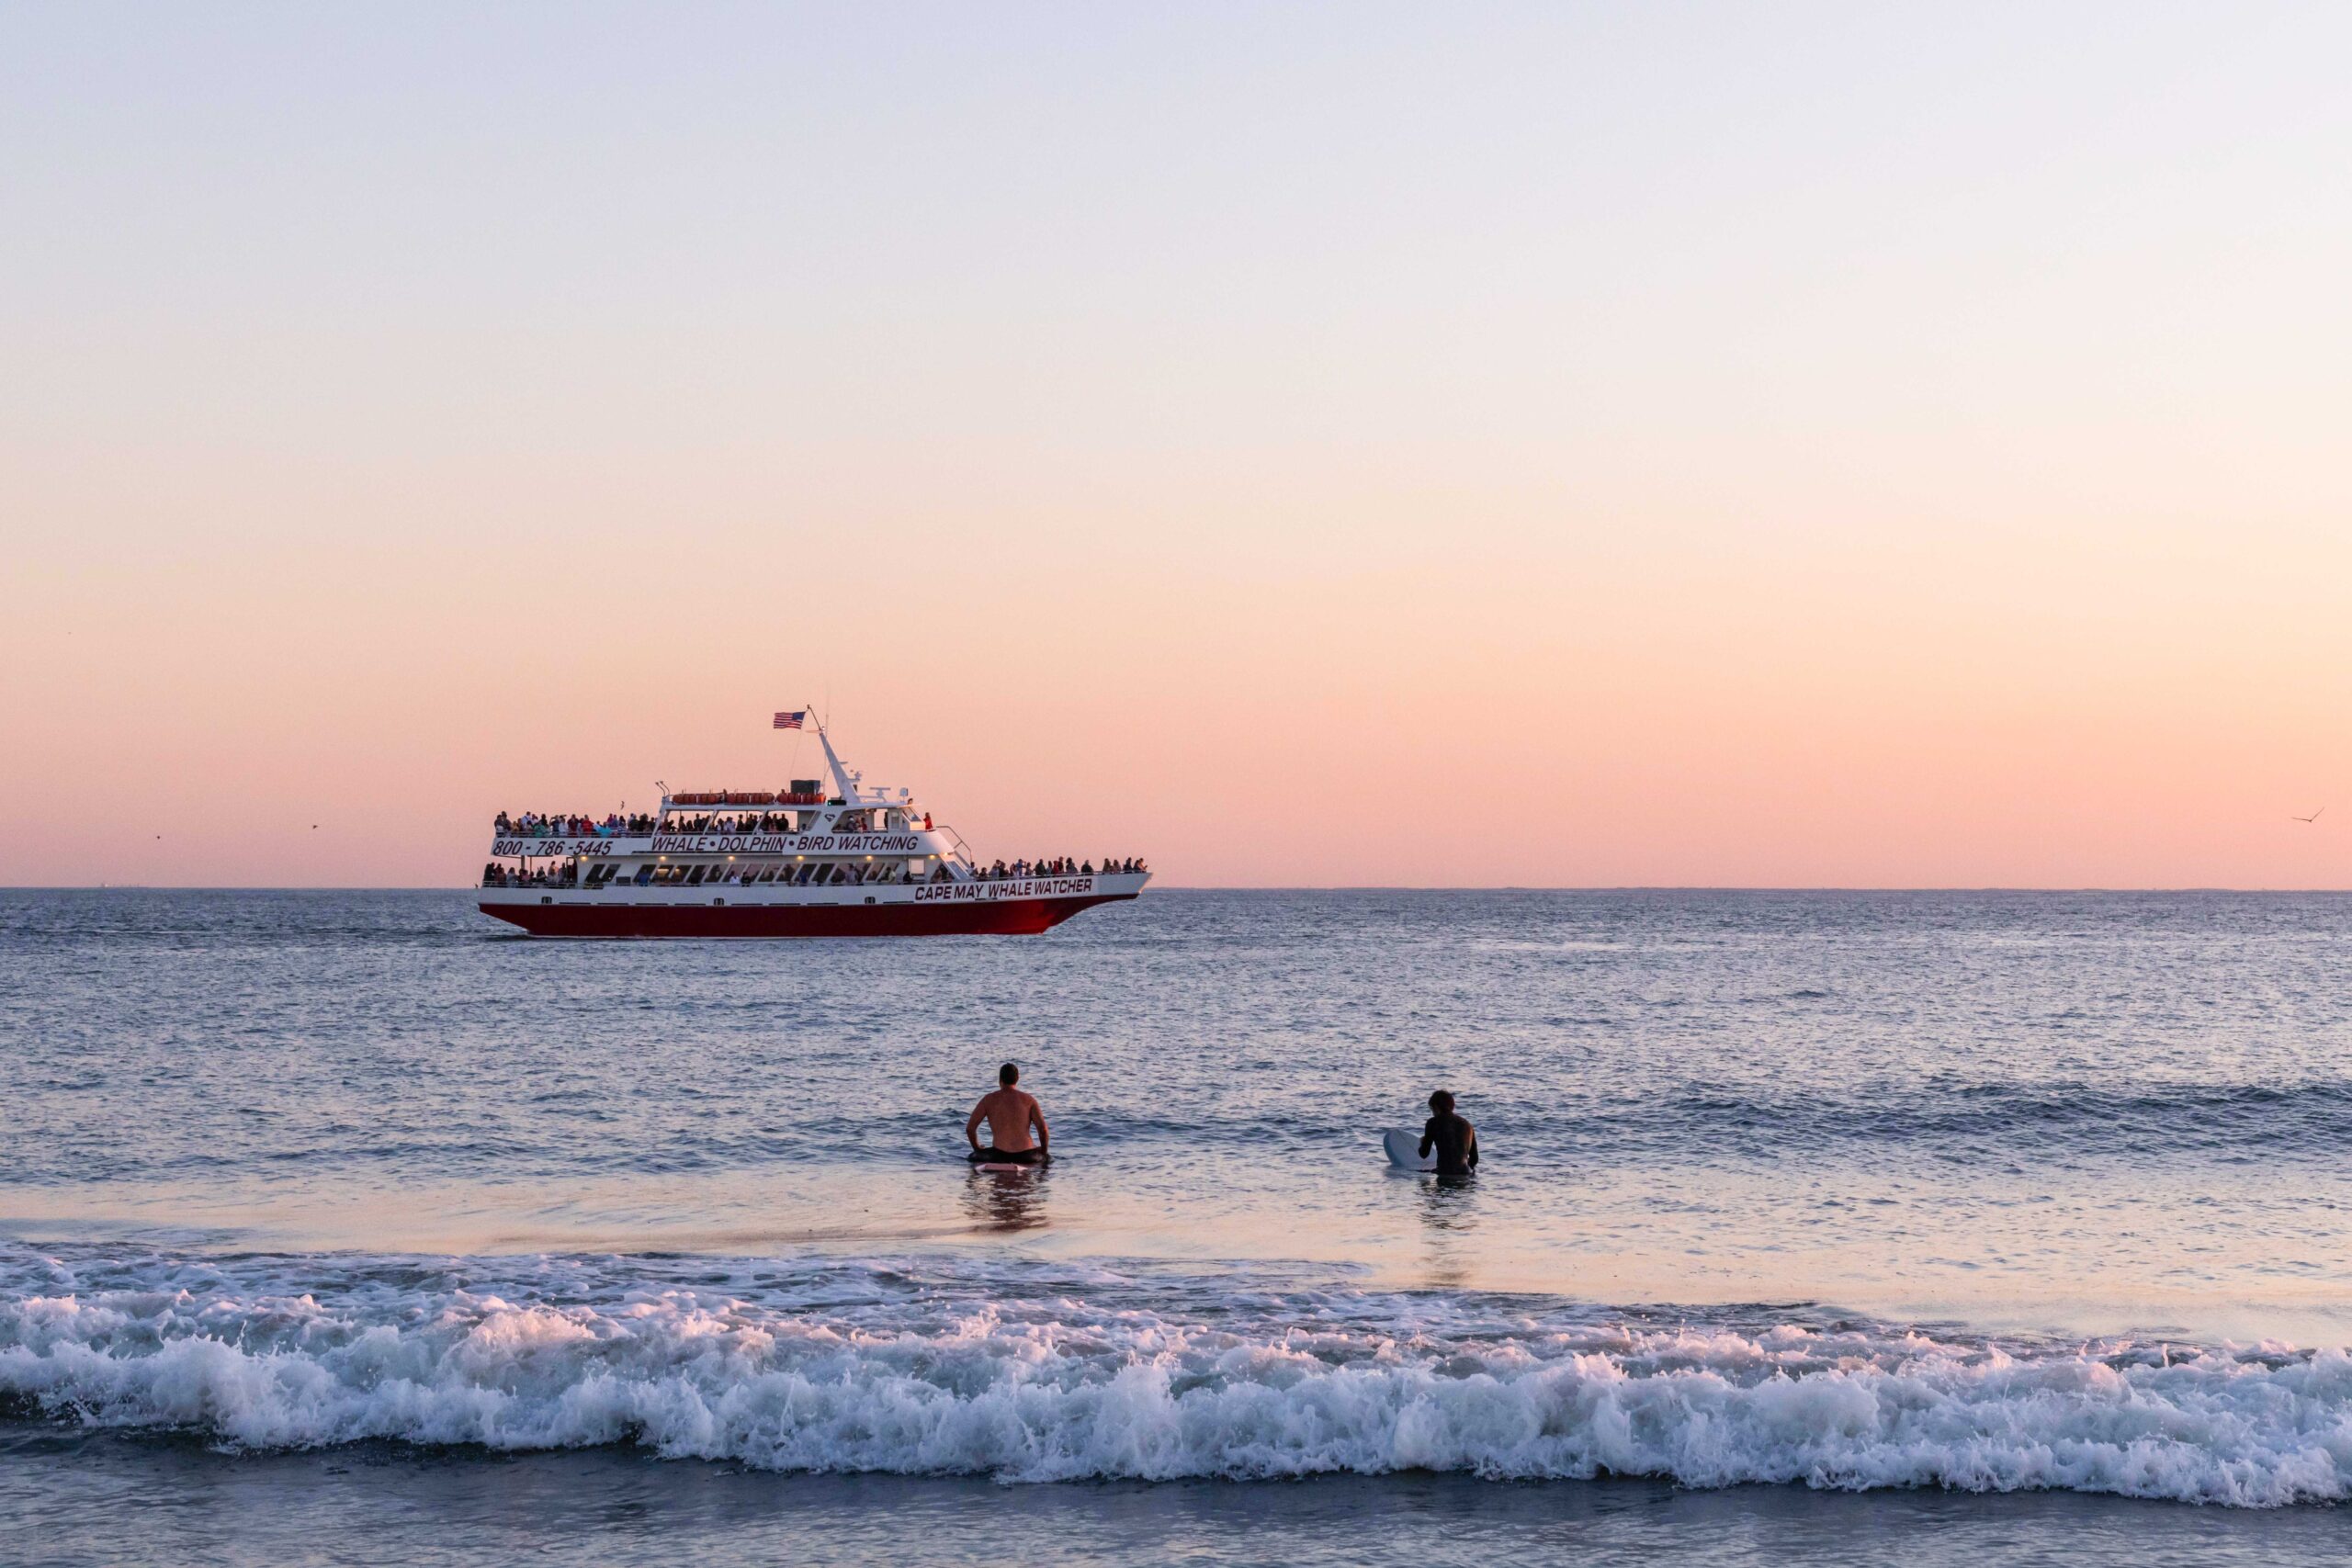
column 1555, row 445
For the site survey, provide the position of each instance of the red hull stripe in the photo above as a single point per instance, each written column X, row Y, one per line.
column 1011, row 917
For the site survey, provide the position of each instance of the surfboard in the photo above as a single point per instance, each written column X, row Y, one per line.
column 1003, row 1164
column 1404, row 1151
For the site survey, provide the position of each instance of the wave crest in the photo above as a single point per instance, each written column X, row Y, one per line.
column 839, row 1373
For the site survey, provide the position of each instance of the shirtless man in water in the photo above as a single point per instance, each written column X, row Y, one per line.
column 1009, row 1114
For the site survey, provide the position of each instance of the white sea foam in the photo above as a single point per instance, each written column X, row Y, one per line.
column 855, row 1367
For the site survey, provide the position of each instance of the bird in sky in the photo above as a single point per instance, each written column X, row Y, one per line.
column 2314, row 816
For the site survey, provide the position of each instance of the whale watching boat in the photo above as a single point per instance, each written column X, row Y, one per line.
column 807, row 861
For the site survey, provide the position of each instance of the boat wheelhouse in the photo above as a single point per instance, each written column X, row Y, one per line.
column 803, row 860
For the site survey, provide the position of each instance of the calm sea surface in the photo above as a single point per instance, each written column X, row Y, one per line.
column 346, row 1227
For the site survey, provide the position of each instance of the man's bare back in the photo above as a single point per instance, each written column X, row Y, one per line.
column 1010, row 1113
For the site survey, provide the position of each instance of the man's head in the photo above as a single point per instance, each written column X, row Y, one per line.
column 1441, row 1103
column 1008, row 1075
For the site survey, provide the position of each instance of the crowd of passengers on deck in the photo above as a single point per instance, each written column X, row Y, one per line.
column 797, row 873
column 1061, row 866
column 540, row 825
column 537, row 825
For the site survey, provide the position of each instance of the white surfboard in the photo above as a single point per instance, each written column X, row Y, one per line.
column 1404, row 1151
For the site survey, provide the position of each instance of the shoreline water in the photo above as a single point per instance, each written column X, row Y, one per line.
column 1889, row 1193
column 109, row 1497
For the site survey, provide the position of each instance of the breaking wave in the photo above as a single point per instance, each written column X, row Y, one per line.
column 1031, row 1373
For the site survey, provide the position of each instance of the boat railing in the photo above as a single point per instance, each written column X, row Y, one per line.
column 547, row 831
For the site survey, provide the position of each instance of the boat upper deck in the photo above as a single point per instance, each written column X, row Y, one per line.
column 805, row 821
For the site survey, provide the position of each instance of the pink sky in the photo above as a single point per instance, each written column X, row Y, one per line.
column 1562, row 451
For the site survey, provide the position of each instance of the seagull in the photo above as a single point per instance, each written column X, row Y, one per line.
column 2314, row 816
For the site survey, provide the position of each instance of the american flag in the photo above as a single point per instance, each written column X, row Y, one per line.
column 791, row 720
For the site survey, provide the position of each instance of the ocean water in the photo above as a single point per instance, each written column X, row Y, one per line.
column 349, row 1227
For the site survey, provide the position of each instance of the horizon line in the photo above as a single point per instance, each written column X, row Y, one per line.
column 1298, row 887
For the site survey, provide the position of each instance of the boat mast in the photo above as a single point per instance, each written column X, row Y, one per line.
column 845, row 782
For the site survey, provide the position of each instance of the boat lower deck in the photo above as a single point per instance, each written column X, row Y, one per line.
column 1006, row 909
